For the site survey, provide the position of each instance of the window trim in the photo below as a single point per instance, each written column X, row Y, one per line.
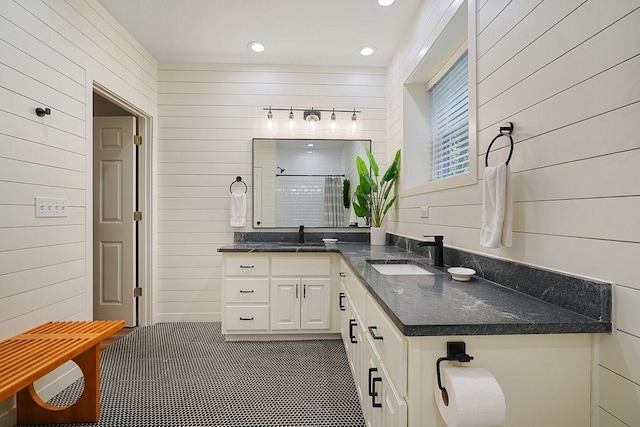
column 469, row 178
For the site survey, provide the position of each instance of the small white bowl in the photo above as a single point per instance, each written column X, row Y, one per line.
column 329, row 242
column 461, row 274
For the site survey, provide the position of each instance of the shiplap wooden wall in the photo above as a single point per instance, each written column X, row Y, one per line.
column 50, row 53
column 568, row 75
column 208, row 115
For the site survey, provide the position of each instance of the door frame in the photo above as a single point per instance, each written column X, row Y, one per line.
column 145, row 205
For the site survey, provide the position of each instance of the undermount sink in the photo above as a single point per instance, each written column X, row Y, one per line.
column 401, row 269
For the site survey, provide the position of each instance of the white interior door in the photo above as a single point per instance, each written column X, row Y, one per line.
column 114, row 255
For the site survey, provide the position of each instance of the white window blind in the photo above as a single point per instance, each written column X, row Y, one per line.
column 450, row 122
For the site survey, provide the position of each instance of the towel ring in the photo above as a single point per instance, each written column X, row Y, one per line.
column 238, row 179
column 505, row 130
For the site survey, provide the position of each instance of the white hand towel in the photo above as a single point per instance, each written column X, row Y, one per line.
column 238, row 209
column 497, row 208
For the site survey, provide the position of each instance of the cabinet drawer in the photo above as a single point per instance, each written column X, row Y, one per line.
column 246, row 290
column 246, row 318
column 358, row 295
column 302, row 266
column 246, row 266
column 389, row 343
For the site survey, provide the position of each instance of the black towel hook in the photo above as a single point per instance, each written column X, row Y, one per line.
column 238, row 179
column 505, row 130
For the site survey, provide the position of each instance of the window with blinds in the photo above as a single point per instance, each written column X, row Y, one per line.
column 449, row 122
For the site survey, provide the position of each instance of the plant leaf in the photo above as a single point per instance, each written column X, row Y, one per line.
column 392, row 172
column 372, row 162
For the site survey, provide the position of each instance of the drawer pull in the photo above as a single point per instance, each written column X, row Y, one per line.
column 296, row 291
column 247, row 266
column 352, row 338
column 373, row 334
column 340, row 300
column 304, row 291
column 371, row 371
column 375, row 393
column 246, row 292
column 343, row 274
column 246, row 318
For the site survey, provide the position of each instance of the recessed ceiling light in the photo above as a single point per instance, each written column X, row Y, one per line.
column 256, row 47
column 367, row 50
column 385, row 3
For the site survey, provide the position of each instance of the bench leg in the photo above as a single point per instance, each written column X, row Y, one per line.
column 33, row 410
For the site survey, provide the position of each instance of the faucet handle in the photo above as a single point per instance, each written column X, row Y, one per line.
column 301, row 228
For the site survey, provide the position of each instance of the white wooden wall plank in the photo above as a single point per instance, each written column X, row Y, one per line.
column 188, row 250
column 487, row 14
column 207, row 226
column 18, row 105
column 30, row 130
column 40, row 298
column 342, row 101
column 217, row 145
column 195, row 192
column 27, row 280
column 619, row 353
column 19, row 61
column 191, row 261
column 586, row 22
column 189, row 273
column 193, row 238
column 258, row 129
column 626, row 301
column 189, row 296
column 220, row 214
column 24, row 259
column 573, row 68
column 605, row 419
column 16, row 193
column 210, row 157
column 41, row 174
column 619, row 397
column 26, row 237
column 42, row 94
column 19, row 149
column 283, row 76
column 189, row 285
column 204, row 169
column 188, row 308
column 543, row 17
column 509, row 17
column 13, row 34
column 73, row 307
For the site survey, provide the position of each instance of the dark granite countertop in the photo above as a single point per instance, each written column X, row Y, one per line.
column 438, row 305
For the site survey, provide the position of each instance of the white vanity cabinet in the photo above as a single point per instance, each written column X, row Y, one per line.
column 270, row 294
column 300, row 293
column 377, row 354
column 246, row 294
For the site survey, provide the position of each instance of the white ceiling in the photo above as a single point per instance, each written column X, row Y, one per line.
column 304, row 32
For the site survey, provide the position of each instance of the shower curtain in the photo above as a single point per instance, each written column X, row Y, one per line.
column 333, row 209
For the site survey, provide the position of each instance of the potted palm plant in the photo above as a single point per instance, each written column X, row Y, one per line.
column 371, row 196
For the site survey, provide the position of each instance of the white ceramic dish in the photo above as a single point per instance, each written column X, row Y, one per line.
column 329, row 241
column 461, row 274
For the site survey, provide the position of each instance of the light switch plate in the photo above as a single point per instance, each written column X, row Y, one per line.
column 50, row 207
column 424, row 212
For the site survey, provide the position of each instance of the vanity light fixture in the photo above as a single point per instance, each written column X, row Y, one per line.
column 367, row 50
column 256, row 47
column 353, row 119
column 312, row 115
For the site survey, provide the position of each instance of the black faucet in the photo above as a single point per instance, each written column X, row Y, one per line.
column 301, row 234
column 437, row 243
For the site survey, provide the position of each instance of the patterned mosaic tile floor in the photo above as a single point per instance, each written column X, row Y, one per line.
column 185, row 374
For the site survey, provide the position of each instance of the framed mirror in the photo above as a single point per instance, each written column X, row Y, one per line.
column 302, row 181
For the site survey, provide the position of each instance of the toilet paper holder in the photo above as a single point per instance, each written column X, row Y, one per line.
column 456, row 351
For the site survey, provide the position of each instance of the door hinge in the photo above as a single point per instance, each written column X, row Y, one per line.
column 137, row 139
column 137, row 216
column 137, row 292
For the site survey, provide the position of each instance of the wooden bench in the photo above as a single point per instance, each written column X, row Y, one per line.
column 28, row 356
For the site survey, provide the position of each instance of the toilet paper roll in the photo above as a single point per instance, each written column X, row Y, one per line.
column 475, row 398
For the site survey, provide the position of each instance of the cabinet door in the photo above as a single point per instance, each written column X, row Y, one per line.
column 316, row 303
column 285, row 304
column 394, row 408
